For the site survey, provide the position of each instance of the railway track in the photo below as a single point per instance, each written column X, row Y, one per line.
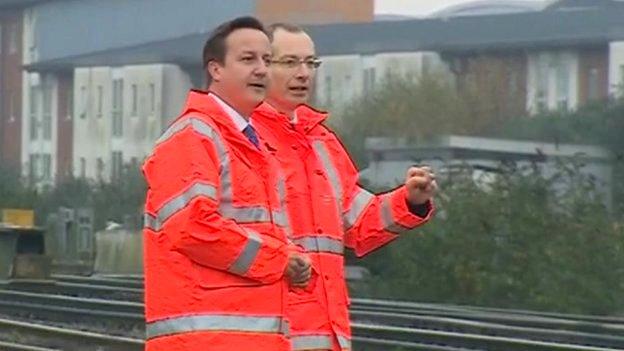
column 42, row 337
column 377, row 324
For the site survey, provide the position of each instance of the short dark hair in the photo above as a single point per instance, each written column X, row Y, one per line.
column 289, row 27
column 214, row 48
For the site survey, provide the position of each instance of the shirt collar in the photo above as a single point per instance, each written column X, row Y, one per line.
column 240, row 122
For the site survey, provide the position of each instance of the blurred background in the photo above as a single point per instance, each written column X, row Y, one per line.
column 518, row 106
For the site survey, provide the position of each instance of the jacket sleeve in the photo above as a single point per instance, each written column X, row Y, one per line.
column 183, row 208
column 370, row 220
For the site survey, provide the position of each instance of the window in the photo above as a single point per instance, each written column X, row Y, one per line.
column 369, row 80
column 47, row 111
column 47, row 166
column 83, row 167
column 83, row 102
column 100, row 168
column 12, row 105
column 135, row 100
column 541, row 91
column 152, row 101
column 33, row 110
column 563, row 83
column 593, row 84
column 117, row 107
column 13, row 38
column 30, row 36
column 100, row 102
column 33, row 167
column 70, row 105
column 117, row 164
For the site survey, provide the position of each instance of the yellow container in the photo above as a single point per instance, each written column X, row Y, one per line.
column 16, row 217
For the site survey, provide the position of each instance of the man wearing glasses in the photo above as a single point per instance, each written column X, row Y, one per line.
column 327, row 209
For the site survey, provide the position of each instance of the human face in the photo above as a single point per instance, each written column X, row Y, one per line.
column 292, row 70
column 242, row 79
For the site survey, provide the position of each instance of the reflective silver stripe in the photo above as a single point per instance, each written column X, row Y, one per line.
column 312, row 342
column 322, row 152
column 248, row 254
column 320, row 244
column 359, row 204
column 178, row 203
column 281, row 217
column 173, row 129
column 318, row 342
column 246, row 214
column 386, row 216
column 215, row 322
column 344, row 343
column 150, row 222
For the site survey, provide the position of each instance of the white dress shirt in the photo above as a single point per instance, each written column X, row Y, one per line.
column 240, row 122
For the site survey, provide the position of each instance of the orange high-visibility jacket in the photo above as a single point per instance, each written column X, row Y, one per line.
column 327, row 210
column 215, row 245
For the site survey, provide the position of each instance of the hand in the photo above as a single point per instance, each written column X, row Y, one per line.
column 421, row 185
column 299, row 269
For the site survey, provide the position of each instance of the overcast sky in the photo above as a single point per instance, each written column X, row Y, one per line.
column 416, row 7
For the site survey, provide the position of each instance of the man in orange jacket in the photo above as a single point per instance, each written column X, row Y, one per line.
column 217, row 258
column 326, row 207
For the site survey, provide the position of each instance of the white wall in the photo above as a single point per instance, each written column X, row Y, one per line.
column 92, row 129
column 338, row 80
column 150, row 94
column 342, row 78
column 176, row 84
column 616, row 68
column 44, row 143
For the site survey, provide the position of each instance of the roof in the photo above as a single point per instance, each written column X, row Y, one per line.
column 529, row 30
column 14, row 229
column 485, row 32
column 20, row 3
column 184, row 51
column 472, row 146
column 489, row 7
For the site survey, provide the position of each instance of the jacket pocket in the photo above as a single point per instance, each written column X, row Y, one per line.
column 209, row 278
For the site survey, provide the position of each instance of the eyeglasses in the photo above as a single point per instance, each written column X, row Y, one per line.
column 294, row 62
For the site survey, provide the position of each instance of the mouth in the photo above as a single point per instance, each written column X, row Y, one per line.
column 298, row 90
column 257, row 85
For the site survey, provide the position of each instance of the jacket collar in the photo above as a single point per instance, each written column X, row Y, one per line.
column 307, row 116
column 208, row 107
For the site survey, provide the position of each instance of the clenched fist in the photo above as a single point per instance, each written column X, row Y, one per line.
column 298, row 269
column 421, row 185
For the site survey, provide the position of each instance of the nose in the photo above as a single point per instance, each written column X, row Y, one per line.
column 303, row 72
column 261, row 69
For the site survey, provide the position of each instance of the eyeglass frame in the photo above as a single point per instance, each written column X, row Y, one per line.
column 310, row 62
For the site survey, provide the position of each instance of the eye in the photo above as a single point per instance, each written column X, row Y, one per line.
column 311, row 63
column 247, row 59
column 290, row 62
column 314, row 63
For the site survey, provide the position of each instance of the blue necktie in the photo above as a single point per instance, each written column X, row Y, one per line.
column 250, row 133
